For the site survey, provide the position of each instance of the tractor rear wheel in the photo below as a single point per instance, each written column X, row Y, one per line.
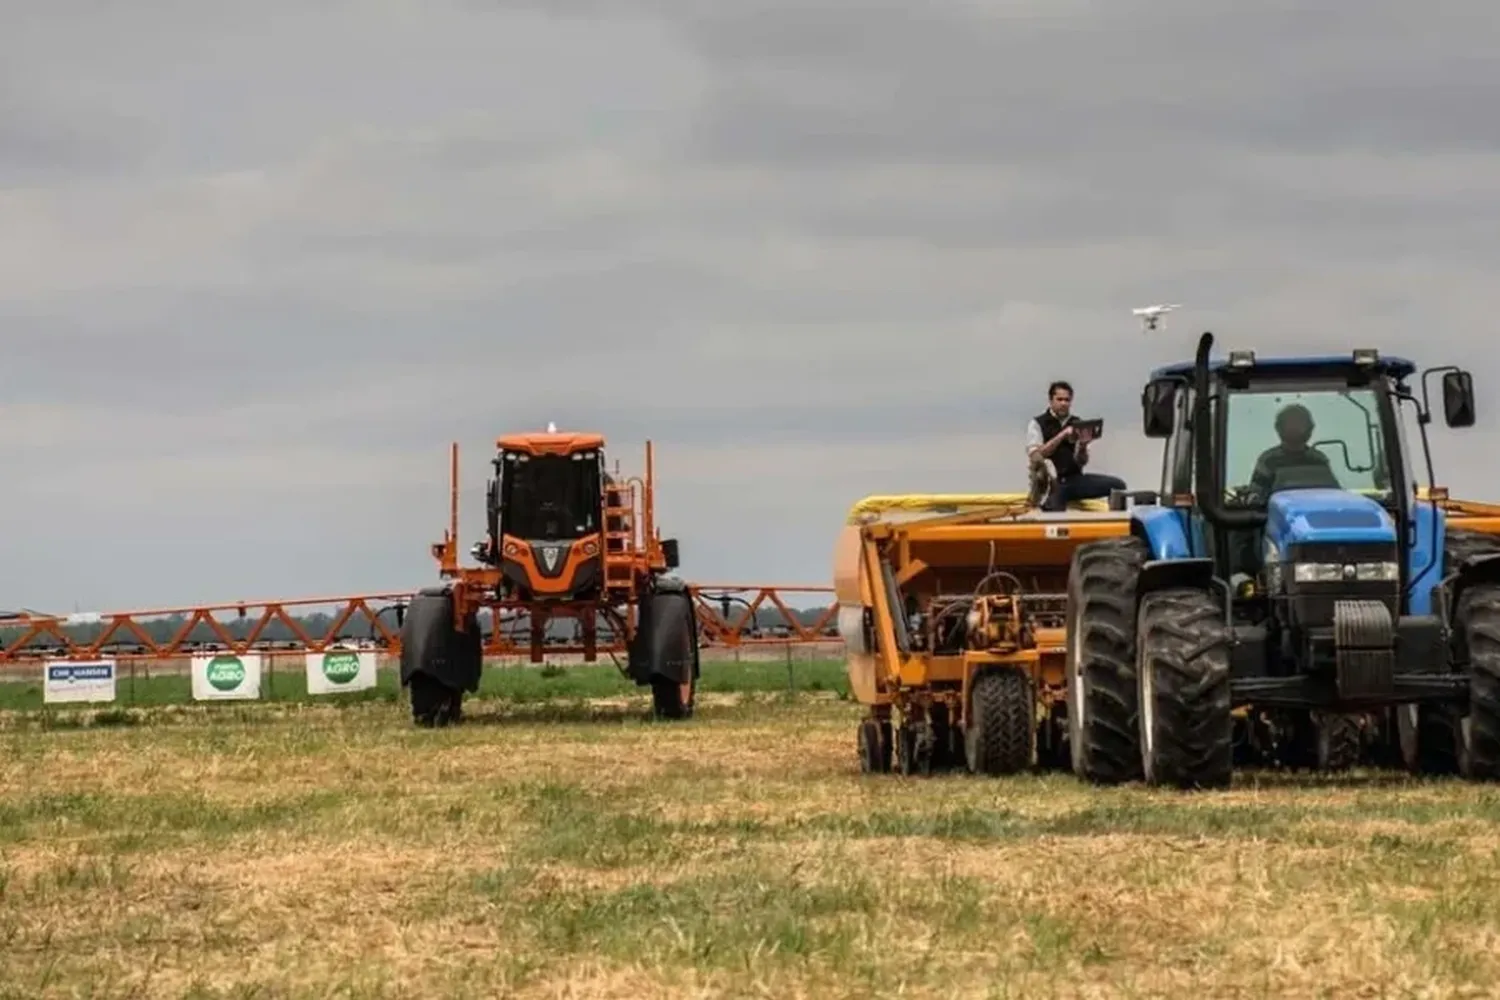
column 1463, row 543
column 1103, row 737
column 1001, row 735
column 1440, row 739
column 1429, row 736
column 1182, row 659
column 1477, row 622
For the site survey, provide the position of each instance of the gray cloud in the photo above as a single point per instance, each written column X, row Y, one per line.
column 257, row 269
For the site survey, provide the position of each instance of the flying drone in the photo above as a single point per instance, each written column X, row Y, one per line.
column 1151, row 315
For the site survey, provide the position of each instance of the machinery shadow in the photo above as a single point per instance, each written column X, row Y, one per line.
column 1359, row 777
column 522, row 716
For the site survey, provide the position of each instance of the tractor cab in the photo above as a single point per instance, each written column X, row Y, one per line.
column 545, row 508
column 1298, row 461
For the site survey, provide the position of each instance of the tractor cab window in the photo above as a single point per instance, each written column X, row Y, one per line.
column 1285, row 437
column 550, row 497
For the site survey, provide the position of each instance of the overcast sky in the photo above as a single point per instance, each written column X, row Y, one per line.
column 260, row 263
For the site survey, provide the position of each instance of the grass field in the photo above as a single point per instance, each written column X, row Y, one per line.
column 557, row 848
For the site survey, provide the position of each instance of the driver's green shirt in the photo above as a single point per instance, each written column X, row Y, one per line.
column 1281, row 458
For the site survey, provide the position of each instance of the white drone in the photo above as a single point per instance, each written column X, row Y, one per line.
column 1151, row 315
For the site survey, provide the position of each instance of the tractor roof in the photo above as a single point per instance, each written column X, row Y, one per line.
column 1315, row 364
column 550, row 443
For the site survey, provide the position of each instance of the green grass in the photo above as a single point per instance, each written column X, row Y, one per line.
column 514, row 684
column 317, row 850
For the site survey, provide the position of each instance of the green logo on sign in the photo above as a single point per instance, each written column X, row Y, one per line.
column 225, row 673
column 340, row 668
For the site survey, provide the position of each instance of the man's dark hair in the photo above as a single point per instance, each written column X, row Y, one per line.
column 1298, row 416
column 1052, row 389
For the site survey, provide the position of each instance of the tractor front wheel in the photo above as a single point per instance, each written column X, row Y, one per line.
column 1182, row 664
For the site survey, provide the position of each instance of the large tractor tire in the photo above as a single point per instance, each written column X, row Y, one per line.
column 1103, row 738
column 1462, row 543
column 1439, row 739
column 438, row 663
column 1186, row 722
column 1477, row 624
column 1001, row 735
column 665, row 650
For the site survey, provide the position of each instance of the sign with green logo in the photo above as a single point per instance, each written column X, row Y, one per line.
column 341, row 667
column 335, row 671
column 219, row 676
column 225, row 673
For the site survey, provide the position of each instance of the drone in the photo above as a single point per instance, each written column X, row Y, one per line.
column 1151, row 315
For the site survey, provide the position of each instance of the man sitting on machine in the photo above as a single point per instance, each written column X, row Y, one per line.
column 1293, row 463
column 1057, row 447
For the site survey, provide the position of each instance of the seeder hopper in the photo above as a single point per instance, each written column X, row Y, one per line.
column 952, row 610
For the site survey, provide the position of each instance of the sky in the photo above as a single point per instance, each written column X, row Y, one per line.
column 261, row 263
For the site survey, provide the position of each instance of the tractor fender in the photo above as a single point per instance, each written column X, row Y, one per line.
column 431, row 645
column 666, row 643
column 1170, row 574
column 1164, row 531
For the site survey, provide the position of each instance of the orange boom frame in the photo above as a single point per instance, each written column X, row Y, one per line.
column 566, row 538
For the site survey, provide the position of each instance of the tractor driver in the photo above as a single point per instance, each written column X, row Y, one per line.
column 1050, row 435
column 1293, row 457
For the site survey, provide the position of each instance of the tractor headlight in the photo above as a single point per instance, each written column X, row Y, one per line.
column 1365, row 572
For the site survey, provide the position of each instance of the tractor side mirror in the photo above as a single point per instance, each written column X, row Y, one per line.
column 670, row 553
column 1458, row 398
column 1158, row 405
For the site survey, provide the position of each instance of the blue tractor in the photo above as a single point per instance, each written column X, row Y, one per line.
column 1289, row 586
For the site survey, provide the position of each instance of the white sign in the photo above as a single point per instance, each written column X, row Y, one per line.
column 336, row 670
column 226, row 676
column 74, row 680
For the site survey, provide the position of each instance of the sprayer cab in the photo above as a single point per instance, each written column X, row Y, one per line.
column 1291, row 567
column 546, row 515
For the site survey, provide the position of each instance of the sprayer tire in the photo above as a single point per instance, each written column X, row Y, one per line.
column 433, row 703
column 1103, row 738
column 669, row 701
column 1187, row 726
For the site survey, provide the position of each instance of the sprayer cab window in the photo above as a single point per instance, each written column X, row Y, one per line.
column 1319, row 437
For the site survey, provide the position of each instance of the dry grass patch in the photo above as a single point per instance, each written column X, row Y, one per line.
column 546, row 853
